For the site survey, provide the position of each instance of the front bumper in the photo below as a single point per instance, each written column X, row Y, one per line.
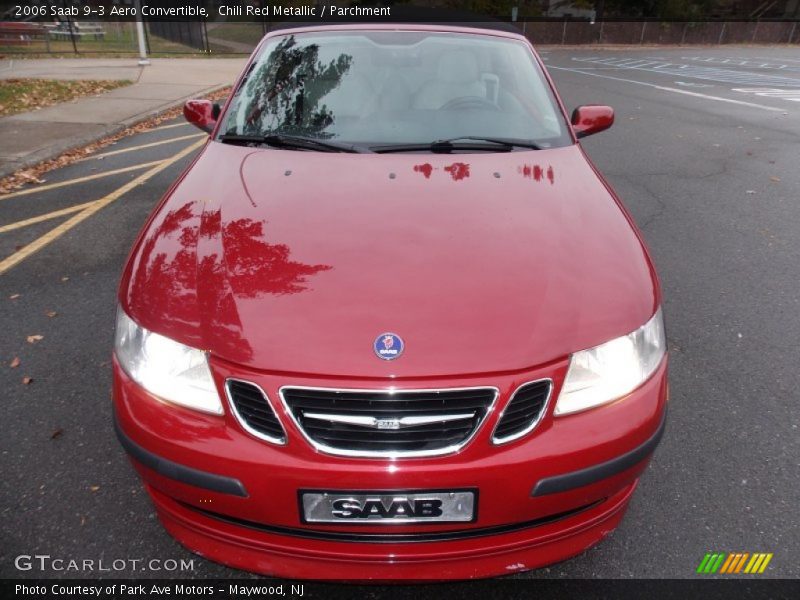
column 543, row 498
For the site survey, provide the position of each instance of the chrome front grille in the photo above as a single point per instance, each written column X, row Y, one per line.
column 383, row 423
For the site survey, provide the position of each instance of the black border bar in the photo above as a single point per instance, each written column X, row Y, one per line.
column 178, row 472
column 595, row 473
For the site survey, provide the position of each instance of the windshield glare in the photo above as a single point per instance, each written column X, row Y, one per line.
column 383, row 88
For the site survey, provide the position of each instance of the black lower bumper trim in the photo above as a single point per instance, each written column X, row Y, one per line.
column 593, row 474
column 178, row 472
column 391, row 538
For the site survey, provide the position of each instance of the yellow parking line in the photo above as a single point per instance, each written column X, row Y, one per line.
column 52, row 186
column 183, row 124
column 95, row 206
column 150, row 145
column 46, row 217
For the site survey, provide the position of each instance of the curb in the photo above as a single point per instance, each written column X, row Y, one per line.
column 59, row 147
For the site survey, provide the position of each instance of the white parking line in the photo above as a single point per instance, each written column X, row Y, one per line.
column 736, row 62
column 783, row 94
column 674, row 90
column 792, row 60
column 739, row 78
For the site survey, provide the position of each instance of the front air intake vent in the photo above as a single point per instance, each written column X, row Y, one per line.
column 386, row 423
column 253, row 411
column 523, row 412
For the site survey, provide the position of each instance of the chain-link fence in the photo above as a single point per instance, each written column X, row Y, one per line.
column 99, row 38
column 226, row 38
column 652, row 32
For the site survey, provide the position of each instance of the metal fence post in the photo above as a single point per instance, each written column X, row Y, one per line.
column 755, row 31
column 683, row 36
column 564, row 32
column 600, row 37
column 140, row 35
column 791, row 33
column 721, row 33
column 641, row 38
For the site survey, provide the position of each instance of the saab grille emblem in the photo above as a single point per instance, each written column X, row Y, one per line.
column 388, row 346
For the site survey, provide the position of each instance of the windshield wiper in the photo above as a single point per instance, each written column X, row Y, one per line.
column 298, row 142
column 513, row 142
column 476, row 143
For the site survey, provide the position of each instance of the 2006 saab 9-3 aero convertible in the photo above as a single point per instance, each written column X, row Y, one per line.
column 391, row 322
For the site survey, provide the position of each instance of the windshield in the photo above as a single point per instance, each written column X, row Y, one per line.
column 383, row 88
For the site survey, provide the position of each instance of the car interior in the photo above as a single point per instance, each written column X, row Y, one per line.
column 400, row 87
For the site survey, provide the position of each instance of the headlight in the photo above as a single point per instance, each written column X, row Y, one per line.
column 165, row 368
column 609, row 371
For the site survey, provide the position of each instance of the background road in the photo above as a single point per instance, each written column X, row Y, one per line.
column 704, row 153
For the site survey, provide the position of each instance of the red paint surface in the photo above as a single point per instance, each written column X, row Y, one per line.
column 219, row 445
column 288, row 280
column 592, row 118
column 313, row 260
column 537, row 172
column 425, row 168
column 458, row 170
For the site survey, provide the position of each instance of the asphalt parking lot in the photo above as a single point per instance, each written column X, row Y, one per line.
column 704, row 153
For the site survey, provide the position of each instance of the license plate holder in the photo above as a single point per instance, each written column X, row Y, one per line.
column 388, row 507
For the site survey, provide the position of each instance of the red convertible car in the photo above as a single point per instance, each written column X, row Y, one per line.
column 391, row 323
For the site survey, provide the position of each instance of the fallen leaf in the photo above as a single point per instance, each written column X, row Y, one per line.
column 56, row 433
column 83, row 521
column 50, row 313
column 775, row 179
column 750, row 192
column 27, row 380
column 94, row 488
column 18, row 179
column 30, row 178
column 65, row 279
column 13, row 296
column 14, row 363
column 32, row 339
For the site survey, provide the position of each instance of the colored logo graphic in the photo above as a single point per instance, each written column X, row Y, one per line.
column 734, row 563
column 388, row 346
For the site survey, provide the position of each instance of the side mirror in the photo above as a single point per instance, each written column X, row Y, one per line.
column 591, row 118
column 201, row 113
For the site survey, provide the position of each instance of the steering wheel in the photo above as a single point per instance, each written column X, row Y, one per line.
column 463, row 102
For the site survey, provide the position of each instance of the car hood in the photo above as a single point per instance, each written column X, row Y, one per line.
column 297, row 261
